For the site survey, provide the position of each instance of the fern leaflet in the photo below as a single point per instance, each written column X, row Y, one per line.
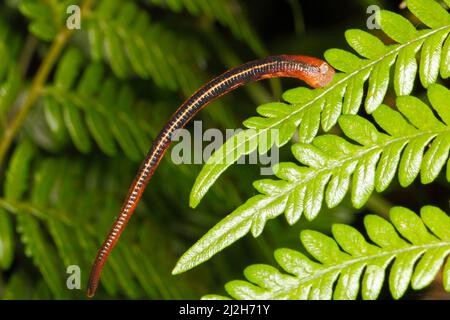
column 228, row 13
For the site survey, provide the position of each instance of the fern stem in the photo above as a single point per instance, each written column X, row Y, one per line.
column 37, row 84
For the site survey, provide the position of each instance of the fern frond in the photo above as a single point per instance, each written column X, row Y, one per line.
column 97, row 105
column 414, row 247
column 47, row 18
column 14, row 187
column 69, row 238
column 58, row 227
column 6, row 240
column 123, row 34
column 228, row 13
column 10, row 79
column 331, row 161
column 16, row 287
column 308, row 109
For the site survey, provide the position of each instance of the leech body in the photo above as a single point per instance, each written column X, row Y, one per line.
column 313, row 71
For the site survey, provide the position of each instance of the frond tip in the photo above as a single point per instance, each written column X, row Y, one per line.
column 415, row 248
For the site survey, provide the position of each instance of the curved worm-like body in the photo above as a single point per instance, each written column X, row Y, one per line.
column 313, row 71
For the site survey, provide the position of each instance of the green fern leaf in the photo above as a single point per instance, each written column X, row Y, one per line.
column 348, row 264
column 76, row 127
column 308, row 108
column 328, row 164
column 45, row 181
column 36, row 246
column 43, row 255
column 6, row 240
column 54, row 188
column 429, row 12
column 228, row 13
column 10, row 78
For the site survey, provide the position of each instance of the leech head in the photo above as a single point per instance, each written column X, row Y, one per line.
column 315, row 72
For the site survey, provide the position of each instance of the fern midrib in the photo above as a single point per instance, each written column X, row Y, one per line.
column 348, row 263
column 337, row 84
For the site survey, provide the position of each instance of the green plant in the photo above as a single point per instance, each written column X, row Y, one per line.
column 75, row 120
column 331, row 163
column 348, row 257
column 79, row 108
